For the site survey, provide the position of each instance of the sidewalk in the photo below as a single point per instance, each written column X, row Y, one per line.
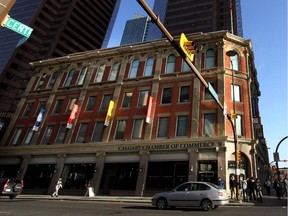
column 267, row 200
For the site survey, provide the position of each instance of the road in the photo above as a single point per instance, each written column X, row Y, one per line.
column 32, row 207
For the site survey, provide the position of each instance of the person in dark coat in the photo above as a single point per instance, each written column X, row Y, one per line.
column 276, row 185
column 252, row 188
column 232, row 185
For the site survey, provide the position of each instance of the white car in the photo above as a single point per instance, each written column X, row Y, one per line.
column 192, row 194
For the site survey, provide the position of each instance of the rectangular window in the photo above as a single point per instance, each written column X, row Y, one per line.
column 47, row 134
column 58, row 106
column 98, row 131
column 184, row 94
column 121, row 126
column 236, row 93
column 209, row 123
column 28, row 109
column 105, row 102
column 185, row 67
column 163, row 127
column 29, row 136
column 137, row 129
column 143, row 98
column 91, row 103
column 127, row 99
column 182, row 126
column 239, row 125
column 16, row 136
column 81, row 133
column 166, row 96
column 61, row 134
column 207, row 94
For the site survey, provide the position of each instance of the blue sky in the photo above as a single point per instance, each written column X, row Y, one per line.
column 265, row 23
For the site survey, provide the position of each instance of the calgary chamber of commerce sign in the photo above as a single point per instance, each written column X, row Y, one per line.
column 170, row 146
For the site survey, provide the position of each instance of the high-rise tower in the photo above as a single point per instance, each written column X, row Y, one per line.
column 60, row 28
column 190, row 16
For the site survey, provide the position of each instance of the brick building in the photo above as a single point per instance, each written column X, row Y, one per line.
column 163, row 128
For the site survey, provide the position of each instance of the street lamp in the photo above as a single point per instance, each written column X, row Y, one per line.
column 232, row 53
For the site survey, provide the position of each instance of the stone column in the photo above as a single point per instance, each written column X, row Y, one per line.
column 221, row 158
column 23, row 167
column 193, row 164
column 142, row 173
column 98, row 171
column 57, row 172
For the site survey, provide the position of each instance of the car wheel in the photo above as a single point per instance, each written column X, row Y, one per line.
column 206, row 205
column 161, row 203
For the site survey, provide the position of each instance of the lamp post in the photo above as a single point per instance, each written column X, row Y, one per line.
column 232, row 53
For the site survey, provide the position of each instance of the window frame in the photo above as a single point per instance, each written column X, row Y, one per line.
column 137, row 131
column 52, row 80
column 97, row 133
column 210, row 58
column 29, row 136
column 107, row 98
column 127, row 100
column 46, row 137
column 163, row 100
column 120, row 129
column 181, row 98
column 179, row 132
column 16, row 136
column 134, row 69
column 149, row 64
column 237, row 92
column 90, row 105
column 211, row 130
column 82, row 76
column 100, row 73
column 170, row 64
column 82, row 130
column 143, row 98
column 28, row 109
column 114, row 72
column 62, row 129
column 162, row 130
column 69, row 77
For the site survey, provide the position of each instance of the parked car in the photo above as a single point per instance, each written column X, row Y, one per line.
column 192, row 194
column 10, row 187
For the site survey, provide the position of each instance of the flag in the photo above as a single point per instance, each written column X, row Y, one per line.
column 149, row 110
column 109, row 113
column 39, row 119
column 72, row 116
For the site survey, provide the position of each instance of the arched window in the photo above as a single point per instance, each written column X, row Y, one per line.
column 100, row 73
column 210, row 58
column 114, row 71
column 149, row 67
column 69, row 78
column 170, row 66
column 82, row 75
column 234, row 62
column 134, row 69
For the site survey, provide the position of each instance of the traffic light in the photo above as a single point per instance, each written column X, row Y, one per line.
column 238, row 155
column 188, row 47
column 233, row 115
column 5, row 6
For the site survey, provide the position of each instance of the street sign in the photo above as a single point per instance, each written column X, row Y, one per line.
column 18, row 27
column 213, row 92
column 276, row 156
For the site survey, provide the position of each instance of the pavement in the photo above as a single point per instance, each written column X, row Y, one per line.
column 267, row 200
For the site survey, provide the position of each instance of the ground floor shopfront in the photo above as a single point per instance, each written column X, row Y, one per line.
column 134, row 170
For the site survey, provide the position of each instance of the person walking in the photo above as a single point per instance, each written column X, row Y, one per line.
column 232, row 185
column 245, row 190
column 268, row 185
column 276, row 186
column 57, row 187
column 259, row 194
column 251, row 188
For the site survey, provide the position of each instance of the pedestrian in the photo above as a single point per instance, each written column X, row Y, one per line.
column 57, row 187
column 286, row 186
column 245, row 190
column 220, row 183
column 268, row 185
column 251, row 188
column 259, row 190
column 276, row 186
column 232, row 185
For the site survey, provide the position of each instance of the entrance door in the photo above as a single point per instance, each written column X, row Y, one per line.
column 207, row 171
